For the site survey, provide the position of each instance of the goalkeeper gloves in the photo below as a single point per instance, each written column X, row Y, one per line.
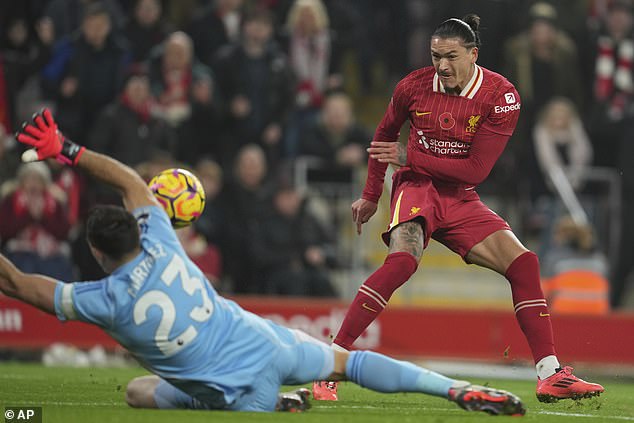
column 48, row 141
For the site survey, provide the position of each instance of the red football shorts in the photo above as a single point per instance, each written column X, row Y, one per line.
column 451, row 215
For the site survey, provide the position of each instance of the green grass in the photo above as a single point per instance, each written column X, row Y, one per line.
column 97, row 395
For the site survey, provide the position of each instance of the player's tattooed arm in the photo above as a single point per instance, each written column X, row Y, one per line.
column 388, row 152
column 402, row 154
column 408, row 237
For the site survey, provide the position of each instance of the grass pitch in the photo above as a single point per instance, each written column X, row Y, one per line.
column 97, row 395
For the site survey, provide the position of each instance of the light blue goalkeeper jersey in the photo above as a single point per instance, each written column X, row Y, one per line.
column 162, row 309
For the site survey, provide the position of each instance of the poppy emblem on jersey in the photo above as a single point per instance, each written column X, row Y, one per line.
column 472, row 123
column 414, row 210
column 446, row 121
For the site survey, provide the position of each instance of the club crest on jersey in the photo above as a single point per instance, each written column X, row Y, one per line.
column 414, row 210
column 472, row 123
column 446, row 121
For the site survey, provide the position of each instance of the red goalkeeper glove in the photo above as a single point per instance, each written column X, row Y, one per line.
column 48, row 141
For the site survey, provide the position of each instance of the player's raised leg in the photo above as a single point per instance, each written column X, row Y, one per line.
column 384, row 374
column 406, row 249
column 503, row 252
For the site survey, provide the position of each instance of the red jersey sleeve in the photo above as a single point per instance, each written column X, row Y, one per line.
column 486, row 147
column 388, row 130
column 505, row 112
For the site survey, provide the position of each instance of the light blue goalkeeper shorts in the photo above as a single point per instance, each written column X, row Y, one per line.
column 300, row 359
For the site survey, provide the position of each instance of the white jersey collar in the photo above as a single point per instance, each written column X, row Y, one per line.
column 469, row 90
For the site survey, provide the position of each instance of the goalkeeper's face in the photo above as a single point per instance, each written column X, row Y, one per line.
column 454, row 62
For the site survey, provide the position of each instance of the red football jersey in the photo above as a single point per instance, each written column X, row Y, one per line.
column 453, row 138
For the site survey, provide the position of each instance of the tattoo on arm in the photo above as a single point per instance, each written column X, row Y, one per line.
column 402, row 154
column 408, row 237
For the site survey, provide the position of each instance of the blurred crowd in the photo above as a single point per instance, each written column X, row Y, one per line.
column 237, row 90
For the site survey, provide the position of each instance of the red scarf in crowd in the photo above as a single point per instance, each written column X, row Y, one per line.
column 613, row 69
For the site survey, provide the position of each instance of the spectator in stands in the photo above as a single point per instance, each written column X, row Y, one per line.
column 309, row 48
column 34, row 224
column 292, row 251
column 128, row 130
column 211, row 224
column 206, row 256
column 575, row 249
column 539, row 62
column 156, row 162
column 336, row 137
column 257, row 83
column 145, row 29
column 8, row 158
column 217, row 25
column 350, row 36
column 561, row 142
column 23, row 52
column 610, row 64
column 575, row 272
column 68, row 15
column 248, row 197
column 186, row 95
column 85, row 71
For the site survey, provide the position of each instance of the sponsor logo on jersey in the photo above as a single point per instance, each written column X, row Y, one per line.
column 446, row 121
column 544, row 314
column 506, row 109
column 422, row 139
column 510, row 98
column 414, row 210
column 422, row 113
column 472, row 123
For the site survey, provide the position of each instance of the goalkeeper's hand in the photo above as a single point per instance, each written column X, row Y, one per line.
column 47, row 140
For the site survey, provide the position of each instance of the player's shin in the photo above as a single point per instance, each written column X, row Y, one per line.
column 373, row 296
column 532, row 312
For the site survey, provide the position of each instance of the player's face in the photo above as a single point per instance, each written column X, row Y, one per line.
column 454, row 63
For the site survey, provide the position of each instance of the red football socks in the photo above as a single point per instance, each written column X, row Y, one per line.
column 373, row 296
column 531, row 310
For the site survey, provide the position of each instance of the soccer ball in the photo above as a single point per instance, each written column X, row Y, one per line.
column 181, row 194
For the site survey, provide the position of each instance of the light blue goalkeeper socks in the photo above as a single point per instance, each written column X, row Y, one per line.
column 384, row 374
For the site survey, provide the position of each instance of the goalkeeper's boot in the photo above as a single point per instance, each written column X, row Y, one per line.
column 489, row 400
column 563, row 385
column 324, row 390
column 294, row 401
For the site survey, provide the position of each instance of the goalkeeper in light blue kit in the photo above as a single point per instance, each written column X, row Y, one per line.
column 205, row 351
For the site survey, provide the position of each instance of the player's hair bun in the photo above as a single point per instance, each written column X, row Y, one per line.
column 473, row 21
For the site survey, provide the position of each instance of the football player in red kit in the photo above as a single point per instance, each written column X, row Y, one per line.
column 461, row 116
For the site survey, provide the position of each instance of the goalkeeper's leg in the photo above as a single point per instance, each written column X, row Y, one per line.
column 384, row 374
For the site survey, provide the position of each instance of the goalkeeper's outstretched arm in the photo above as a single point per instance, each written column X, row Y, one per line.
column 132, row 187
column 37, row 290
column 48, row 142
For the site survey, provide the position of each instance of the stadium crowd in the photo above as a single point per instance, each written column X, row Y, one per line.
column 236, row 90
